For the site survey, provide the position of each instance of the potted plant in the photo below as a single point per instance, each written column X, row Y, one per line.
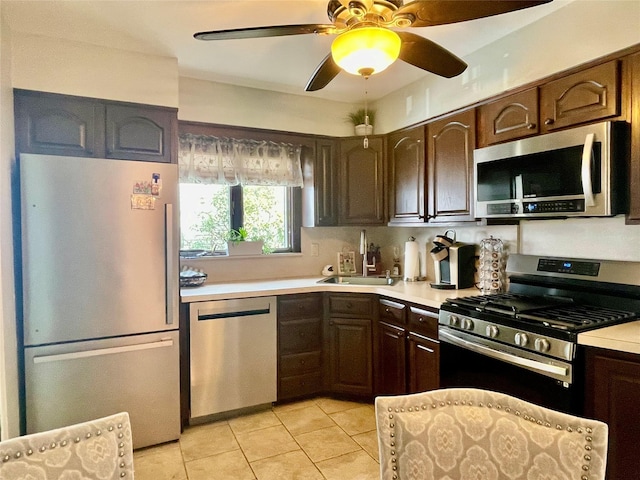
column 358, row 119
column 238, row 243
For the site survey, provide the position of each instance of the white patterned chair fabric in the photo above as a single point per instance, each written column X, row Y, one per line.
column 100, row 449
column 465, row 434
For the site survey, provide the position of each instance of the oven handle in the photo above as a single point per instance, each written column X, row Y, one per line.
column 498, row 355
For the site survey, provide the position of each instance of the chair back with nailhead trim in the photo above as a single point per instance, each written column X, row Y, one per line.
column 462, row 433
column 100, row 449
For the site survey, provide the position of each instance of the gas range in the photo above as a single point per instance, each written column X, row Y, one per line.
column 550, row 301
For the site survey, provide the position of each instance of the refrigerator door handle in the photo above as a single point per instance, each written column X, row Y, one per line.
column 172, row 279
column 102, row 351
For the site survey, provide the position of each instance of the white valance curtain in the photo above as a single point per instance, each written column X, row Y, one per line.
column 230, row 161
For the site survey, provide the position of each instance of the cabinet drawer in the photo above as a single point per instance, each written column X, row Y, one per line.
column 300, row 306
column 392, row 312
column 295, row 336
column 423, row 321
column 299, row 363
column 352, row 305
column 299, row 385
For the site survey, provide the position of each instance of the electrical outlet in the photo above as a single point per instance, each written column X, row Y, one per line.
column 315, row 249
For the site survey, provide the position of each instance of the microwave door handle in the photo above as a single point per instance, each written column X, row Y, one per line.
column 587, row 184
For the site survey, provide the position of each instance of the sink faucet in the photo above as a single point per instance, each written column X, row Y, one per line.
column 363, row 251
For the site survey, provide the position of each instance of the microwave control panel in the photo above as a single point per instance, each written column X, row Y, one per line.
column 556, row 206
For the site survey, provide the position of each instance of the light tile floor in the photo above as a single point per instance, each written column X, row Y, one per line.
column 314, row 439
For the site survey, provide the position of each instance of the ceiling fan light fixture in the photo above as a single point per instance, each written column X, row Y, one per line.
column 366, row 50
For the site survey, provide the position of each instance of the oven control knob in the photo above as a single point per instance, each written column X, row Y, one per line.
column 454, row 321
column 467, row 324
column 492, row 331
column 521, row 339
column 542, row 345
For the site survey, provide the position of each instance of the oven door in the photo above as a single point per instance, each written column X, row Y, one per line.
column 470, row 361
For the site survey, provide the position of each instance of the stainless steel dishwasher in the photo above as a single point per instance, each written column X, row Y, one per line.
column 233, row 354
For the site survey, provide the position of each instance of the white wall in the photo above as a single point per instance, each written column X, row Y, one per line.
column 581, row 31
column 209, row 102
column 9, row 424
column 62, row 66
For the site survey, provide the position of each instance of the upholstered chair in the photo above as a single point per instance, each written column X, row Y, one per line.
column 100, row 449
column 460, row 434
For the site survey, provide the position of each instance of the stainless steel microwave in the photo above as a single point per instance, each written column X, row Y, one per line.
column 570, row 173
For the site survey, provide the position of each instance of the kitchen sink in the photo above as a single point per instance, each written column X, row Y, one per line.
column 356, row 280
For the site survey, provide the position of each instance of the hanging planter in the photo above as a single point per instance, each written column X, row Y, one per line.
column 363, row 129
column 359, row 121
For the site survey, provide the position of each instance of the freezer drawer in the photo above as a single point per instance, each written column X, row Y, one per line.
column 76, row 382
column 233, row 354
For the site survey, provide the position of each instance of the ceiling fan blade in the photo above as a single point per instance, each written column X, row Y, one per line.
column 428, row 13
column 262, row 32
column 326, row 71
column 430, row 56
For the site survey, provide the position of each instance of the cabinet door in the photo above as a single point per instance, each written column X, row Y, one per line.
column 509, row 118
column 320, row 191
column 582, row 97
column 407, row 176
column 634, row 169
column 450, row 167
column 350, row 355
column 58, row 125
column 362, row 182
column 139, row 133
column 424, row 363
column 391, row 375
column 613, row 396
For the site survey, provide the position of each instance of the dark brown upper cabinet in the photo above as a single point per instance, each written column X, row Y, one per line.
column 320, row 185
column 58, row 124
column 450, row 144
column 508, row 118
column 634, row 167
column 407, row 176
column 54, row 124
column 582, row 97
column 136, row 133
column 361, row 181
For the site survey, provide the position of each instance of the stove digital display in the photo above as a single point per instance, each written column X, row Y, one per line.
column 590, row 269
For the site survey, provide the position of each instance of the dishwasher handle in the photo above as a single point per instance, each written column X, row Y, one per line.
column 243, row 313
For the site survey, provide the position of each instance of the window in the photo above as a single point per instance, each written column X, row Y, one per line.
column 226, row 184
column 268, row 213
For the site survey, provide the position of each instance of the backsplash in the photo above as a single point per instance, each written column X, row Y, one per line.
column 599, row 238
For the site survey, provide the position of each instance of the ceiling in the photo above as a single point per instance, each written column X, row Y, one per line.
column 284, row 64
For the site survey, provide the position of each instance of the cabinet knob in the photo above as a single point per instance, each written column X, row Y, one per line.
column 420, row 319
column 387, row 310
column 531, row 126
column 548, row 121
column 400, row 334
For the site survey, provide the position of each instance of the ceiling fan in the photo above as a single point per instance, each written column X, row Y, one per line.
column 365, row 42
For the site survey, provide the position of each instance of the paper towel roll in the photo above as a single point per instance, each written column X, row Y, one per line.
column 411, row 261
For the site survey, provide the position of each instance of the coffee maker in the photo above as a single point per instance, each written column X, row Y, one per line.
column 454, row 263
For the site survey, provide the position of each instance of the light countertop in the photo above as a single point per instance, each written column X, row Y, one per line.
column 416, row 292
column 624, row 337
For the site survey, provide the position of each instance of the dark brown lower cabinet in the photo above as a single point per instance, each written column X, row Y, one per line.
column 407, row 349
column 299, row 345
column 350, row 356
column 613, row 396
column 424, row 363
column 391, row 373
column 349, row 343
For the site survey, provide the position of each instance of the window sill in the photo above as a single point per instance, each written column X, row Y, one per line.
column 240, row 257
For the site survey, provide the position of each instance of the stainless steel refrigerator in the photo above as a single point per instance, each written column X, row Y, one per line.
column 100, row 293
